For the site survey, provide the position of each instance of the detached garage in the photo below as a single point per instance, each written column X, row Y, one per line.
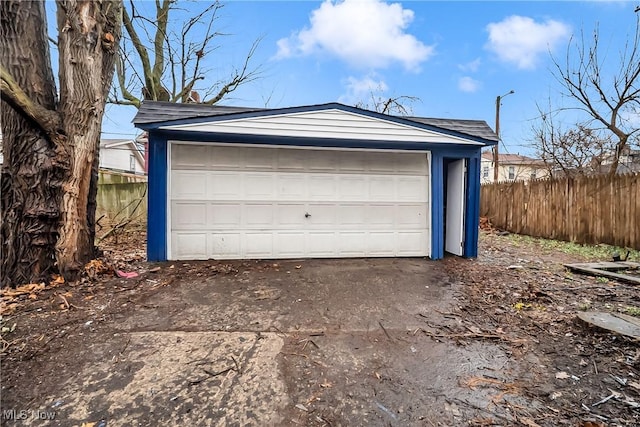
column 320, row 181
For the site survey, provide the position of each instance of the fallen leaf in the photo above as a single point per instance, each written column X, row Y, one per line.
column 562, row 375
column 634, row 384
column 57, row 280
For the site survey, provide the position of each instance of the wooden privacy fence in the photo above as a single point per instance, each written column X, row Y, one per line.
column 597, row 209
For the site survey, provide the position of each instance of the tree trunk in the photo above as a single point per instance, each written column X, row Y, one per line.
column 51, row 147
column 32, row 171
column 88, row 31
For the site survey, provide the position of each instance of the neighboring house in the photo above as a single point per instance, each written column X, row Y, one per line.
column 317, row 181
column 629, row 161
column 512, row 167
column 122, row 156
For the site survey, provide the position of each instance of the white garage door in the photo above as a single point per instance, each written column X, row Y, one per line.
column 244, row 202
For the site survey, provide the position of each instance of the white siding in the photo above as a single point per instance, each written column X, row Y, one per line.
column 119, row 158
column 324, row 124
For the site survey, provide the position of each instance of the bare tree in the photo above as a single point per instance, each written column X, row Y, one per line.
column 579, row 150
column 51, row 135
column 609, row 98
column 164, row 62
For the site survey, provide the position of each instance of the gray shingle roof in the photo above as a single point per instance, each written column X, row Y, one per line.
column 156, row 112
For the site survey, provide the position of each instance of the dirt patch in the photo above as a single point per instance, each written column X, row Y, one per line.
column 490, row 341
column 519, row 286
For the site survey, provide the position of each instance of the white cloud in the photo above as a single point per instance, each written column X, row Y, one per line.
column 467, row 84
column 364, row 33
column 362, row 89
column 472, row 66
column 520, row 40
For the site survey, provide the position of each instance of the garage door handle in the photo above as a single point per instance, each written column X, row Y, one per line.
column 307, row 215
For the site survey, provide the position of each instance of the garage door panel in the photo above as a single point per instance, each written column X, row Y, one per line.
column 258, row 215
column 382, row 215
column 352, row 161
column 291, row 187
column 382, row 188
column 412, row 189
column 411, row 216
column 352, row 215
column 189, row 215
column 290, row 244
column 260, row 158
column 224, row 215
column 411, row 164
column 259, row 186
column 258, row 244
column 188, row 185
column 321, row 215
column 411, row 243
column 224, row 186
column 189, row 245
column 252, row 203
column 226, row 245
column 322, row 187
column 381, row 243
column 292, row 160
column 226, row 157
column 381, row 162
column 324, row 244
column 189, row 157
column 352, row 188
column 291, row 215
column 323, row 161
column 352, row 243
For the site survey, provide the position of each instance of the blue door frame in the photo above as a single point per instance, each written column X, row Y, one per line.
column 472, row 201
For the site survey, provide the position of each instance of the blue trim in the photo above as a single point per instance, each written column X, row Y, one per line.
column 472, row 220
column 437, row 205
column 157, row 199
column 295, row 141
column 309, row 108
column 472, row 202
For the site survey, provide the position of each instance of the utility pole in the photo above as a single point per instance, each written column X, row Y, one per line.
column 495, row 147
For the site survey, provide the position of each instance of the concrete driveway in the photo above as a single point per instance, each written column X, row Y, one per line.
column 315, row 342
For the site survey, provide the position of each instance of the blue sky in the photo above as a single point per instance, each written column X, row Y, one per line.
column 455, row 56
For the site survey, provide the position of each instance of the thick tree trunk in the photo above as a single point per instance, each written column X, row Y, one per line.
column 88, row 31
column 50, row 147
column 32, row 171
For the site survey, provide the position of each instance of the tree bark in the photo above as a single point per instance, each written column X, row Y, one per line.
column 51, row 146
column 33, row 170
column 88, row 31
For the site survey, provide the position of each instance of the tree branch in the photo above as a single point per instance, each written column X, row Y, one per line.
column 241, row 76
column 123, row 87
column 139, row 46
column 49, row 121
